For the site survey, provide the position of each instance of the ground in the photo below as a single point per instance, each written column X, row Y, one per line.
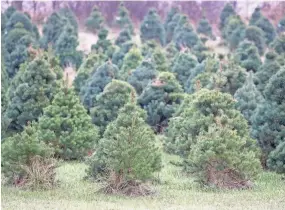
column 175, row 191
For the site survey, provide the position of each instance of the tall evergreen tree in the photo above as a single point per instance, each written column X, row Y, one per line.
column 255, row 35
column 68, row 14
column 123, row 18
column 172, row 19
column 95, row 21
column 227, row 12
column 120, row 53
column 204, row 27
column 103, row 45
column 160, row 61
column 152, row 28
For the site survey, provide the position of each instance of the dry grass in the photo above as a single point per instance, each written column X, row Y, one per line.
column 175, row 191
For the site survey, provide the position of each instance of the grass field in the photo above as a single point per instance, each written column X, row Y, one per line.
column 176, row 191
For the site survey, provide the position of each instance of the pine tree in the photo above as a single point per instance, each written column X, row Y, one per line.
column 160, row 61
column 201, row 51
column 248, row 98
column 183, row 64
column 204, row 27
column 120, row 53
column 247, row 56
column 128, row 148
column 95, row 21
column 171, row 51
column 124, row 37
column 123, row 18
column 152, row 28
column 204, row 122
column 255, row 35
column 227, row 12
column 96, row 83
column 142, row 76
column 276, row 159
column 34, row 90
column 256, row 15
column 71, row 18
column 66, row 126
column 172, row 19
column 149, row 47
column 103, row 45
column 266, row 70
column 9, row 12
column 131, row 61
column 160, row 99
column 199, row 69
column 281, row 26
column 19, row 17
column 115, row 95
column 279, row 44
column 87, row 68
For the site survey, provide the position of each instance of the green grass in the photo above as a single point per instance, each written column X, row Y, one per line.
column 175, row 191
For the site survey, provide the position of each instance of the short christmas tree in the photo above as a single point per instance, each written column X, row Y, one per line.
column 103, row 45
column 19, row 17
column 255, row 35
column 95, row 21
column 120, row 53
column 279, row 44
column 123, row 18
column 276, row 159
column 204, row 27
column 227, row 12
column 124, row 37
column 68, row 14
column 160, row 61
column 172, row 19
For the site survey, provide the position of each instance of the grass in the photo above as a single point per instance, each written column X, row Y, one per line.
column 175, row 191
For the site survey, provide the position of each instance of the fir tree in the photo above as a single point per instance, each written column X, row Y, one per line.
column 97, row 82
column 148, row 48
column 123, row 18
column 171, row 52
column 172, row 19
column 9, row 12
column 142, row 76
column 120, row 53
column 115, row 95
column 199, row 68
column 66, row 126
column 183, row 64
column 200, row 51
column 247, row 56
column 281, row 26
column 276, row 159
column 19, row 17
column 248, row 98
column 279, row 44
column 34, row 90
column 71, row 18
column 128, row 147
column 124, row 37
column 266, row 70
column 227, row 12
column 256, row 15
column 255, row 35
column 160, row 99
column 95, row 21
column 152, row 28
column 160, row 61
column 103, row 45
column 131, row 61
column 204, row 27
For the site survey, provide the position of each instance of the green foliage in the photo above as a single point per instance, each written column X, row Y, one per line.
column 266, row 70
column 281, row 25
column 276, row 159
column 87, row 68
column 95, row 21
column 200, row 51
column 123, row 18
column 279, row 44
column 160, row 98
column 128, row 147
column 131, row 61
column 160, row 61
column 9, row 12
column 248, row 98
column 120, row 53
column 171, row 52
column 183, row 64
column 19, row 17
column 66, row 126
column 18, row 151
column 115, row 95
column 124, row 37
column 255, row 35
column 142, row 76
column 204, row 27
column 67, row 14
column 33, row 89
column 152, row 28
column 172, row 19
column 103, row 45
column 247, row 56
column 96, row 83
column 227, row 12
column 149, row 47
column 256, row 15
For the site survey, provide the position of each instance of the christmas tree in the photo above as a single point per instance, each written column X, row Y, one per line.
column 123, row 18
column 160, row 61
column 67, row 14
column 121, row 52
column 255, row 35
column 124, row 37
column 19, row 17
column 204, row 27
column 227, row 12
column 279, row 44
column 103, row 45
column 152, row 28
column 172, row 19
column 95, row 21
column 281, row 26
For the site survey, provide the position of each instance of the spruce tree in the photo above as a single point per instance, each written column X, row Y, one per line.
column 160, row 99
column 281, row 25
column 142, row 76
column 19, row 17
column 200, row 132
column 97, row 82
column 248, row 98
column 183, row 64
column 227, row 12
column 148, row 48
column 266, row 70
column 123, row 18
column 276, row 159
column 172, row 19
column 131, row 61
column 115, row 95
column 255, row 35
column 171, row 52
column 256, row 15
column 70, row 17
column 279, row 44
column 66, row 126
column 9, row 12
column 204, row 27
column 95, row 21
column 247, row 56
column 120, row 53
column 152, row 28
column 124, row 37
column 128, row 148
column 160, row 61
column 34, row 90
column 103, row 45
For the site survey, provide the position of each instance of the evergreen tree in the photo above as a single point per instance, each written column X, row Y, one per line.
column 34, row 89
column 9, row 12
column 256, row 15
column 171, row 52
column 123, row 18
column 124, row 37
column 281, row 26
column 183, row 64
column 200, row 51
column 160, row 61
column 131, row 61
column 149, row 47
column 52, row 29
column 248, row 98
column 199, row 68
column 19, row 17
column 279, row 44
column 268, row 121
column 70, row 17
column 160, row 99
column 95, row 21
column 204, row 122
column 276, row 159
column 120, row 53
column 87, row 68
column 227, row 12
column 115, row 95
column 247, row 56
column 266, row 70
column 103, row 45
column 142, row 76
column 66, row 126
column 96, row 83
column 172, row 19
column 204, row 27
column 152, row 28
column 255, row 35
column 128, row 147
